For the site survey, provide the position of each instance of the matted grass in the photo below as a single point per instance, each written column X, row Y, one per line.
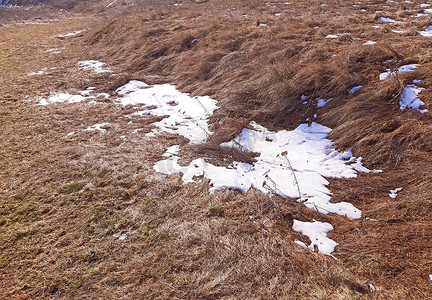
column 66, row 201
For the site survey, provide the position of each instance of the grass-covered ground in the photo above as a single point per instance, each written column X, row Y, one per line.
column 64, row 202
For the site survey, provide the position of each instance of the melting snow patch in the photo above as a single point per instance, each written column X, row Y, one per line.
column 317, row 233
column 93, row 65
column 332, row 36
column 187, row 116
column 369, row 43
column 291, row 164
column 98, row 127
column 355, row 89
column 393, row 193
column 427, row 32
column 401, row 69
column 409, row 98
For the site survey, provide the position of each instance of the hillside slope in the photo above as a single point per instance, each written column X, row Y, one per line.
column 85, row 214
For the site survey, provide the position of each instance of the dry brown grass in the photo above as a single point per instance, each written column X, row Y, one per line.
column 66, row 200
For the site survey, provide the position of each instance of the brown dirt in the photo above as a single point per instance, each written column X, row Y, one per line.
column 65, row 201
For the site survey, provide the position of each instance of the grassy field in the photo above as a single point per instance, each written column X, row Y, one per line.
column 65, row 201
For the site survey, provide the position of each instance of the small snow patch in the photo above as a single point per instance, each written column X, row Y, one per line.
column 427, row 32
column 111, row 3
column 41, row 72
column 369, row 43
column 393, row 193
column 53, row 51
column 355, row 89
column 401, row 69
column 93, row 65
column 66, row 35
column 323, row 102
column 98, row 127
column 61, row 97
column 409, row 98
column 317, row 233
column 332, row 36
column 187, row 116
column 172, row 151
column 387, row 19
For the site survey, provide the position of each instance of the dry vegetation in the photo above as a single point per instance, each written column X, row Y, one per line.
column 65, row 201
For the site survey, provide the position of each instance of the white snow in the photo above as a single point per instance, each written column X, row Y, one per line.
column 355, row 89
column 122, row 237
column 111, row 3
column 401, row 69
column 262, row 25
column 387, row 19
column 129, row 87
column 93, row 65
column 69, row 98
column 40, row 72
column 61, row 97
column 291, row 164
column 98, row 127
column 53, row 51
column 409, row 98
column 332, row 36
column 323, row 102
column 186, row 116
column 427, row 32
column 172, row 151
column 428, row 11
column 393, row 193
column 70, row 34
column 369, row 43
column 430, row 277
column 70, row 134
column 317, row 233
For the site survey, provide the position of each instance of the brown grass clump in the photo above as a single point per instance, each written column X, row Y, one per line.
column 68, row 202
